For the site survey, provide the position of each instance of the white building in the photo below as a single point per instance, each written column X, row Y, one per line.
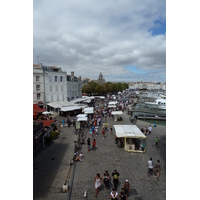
column 51, row 84
column 38, row 85
column 147, row 85
column 55, row 84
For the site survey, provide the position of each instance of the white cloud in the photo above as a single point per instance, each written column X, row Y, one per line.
column 89, row 37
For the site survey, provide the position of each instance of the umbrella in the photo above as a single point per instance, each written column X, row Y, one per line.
column 46, row 113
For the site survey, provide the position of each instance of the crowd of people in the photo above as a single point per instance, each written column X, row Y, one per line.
column 98, row 121
column 98, row 181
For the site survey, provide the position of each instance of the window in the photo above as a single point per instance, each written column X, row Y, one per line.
column 37, row 87
column 50, row 88
column 55, row 78
column 61, row 79
column 51, row 97
column 63, row 97
column 37, row 78
column 50, row 78
column 38, row 96
column 57, row 97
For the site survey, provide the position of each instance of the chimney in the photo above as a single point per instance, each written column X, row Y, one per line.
column 40, row 65
column 72, row 74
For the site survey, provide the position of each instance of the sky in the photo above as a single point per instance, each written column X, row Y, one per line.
column 123, row 39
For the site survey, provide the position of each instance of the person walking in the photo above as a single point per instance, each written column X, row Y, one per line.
column 110, row 129
column 63, row 122
column 150, row 129
column 90, row 132
column 88, row 143
column 115, row 176
column 114, row 195
column 156, row 141
column 158, row 169
column 97, row 184
column 94, row 144
column 106, row 179
column 127, row 186
column 150, row 166
column 103, row 132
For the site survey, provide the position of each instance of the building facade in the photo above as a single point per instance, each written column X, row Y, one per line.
column 51, row 84
column 38, row 85
column 147, row 86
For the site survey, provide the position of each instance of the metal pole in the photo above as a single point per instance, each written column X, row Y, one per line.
column 71, row 182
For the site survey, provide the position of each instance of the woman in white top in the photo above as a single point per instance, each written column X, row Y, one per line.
column 97, row 183
column 114, row 194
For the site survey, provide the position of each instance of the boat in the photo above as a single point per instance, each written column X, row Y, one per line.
column 157, row 104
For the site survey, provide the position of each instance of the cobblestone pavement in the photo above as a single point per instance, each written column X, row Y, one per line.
column 51, row 165
column 131, row 166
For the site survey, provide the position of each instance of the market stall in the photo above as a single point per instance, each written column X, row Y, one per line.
column 116, row 115
column 131, row 138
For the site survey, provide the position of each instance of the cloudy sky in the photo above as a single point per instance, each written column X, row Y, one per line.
column 123, row 39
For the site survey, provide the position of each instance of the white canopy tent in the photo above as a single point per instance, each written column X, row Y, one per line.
column 81, row 115
column 112, row 106
column 131, row 136
column 116, row 113
column 112, row 103
column 82, row 119
column 89, row 110
column 70, row 108
column 47, row 113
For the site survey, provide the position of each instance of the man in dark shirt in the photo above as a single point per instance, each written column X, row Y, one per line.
column 115, row 176
column 123, row 195
column 106, row 178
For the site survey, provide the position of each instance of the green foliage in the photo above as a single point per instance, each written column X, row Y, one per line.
column 54, row 126
column 54, row 134
column 94, row 87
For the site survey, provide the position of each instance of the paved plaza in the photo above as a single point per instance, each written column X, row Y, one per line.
column 51, row 166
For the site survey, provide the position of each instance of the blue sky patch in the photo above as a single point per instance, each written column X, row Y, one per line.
column 159, row 28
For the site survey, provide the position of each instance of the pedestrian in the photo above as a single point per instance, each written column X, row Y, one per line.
column 93, row 129
column 127, row 186
column 150, row 166
column 123, row 195
column 94, row 144
column 158, row 169
column 156, row 141
column 96, row 130
column 103, row 132
column 115, row 176
column 63, row 122
column 147, row 130
column 106, row 179
column 90, row 132
column 97, row 183
column 81, row 155
column 150, row 129
column 110, row 129
column 114, row 194
column 88, row 143
column 136, row 117
column 116, row 139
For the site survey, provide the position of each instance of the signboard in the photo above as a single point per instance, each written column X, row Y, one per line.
column 77, row 125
